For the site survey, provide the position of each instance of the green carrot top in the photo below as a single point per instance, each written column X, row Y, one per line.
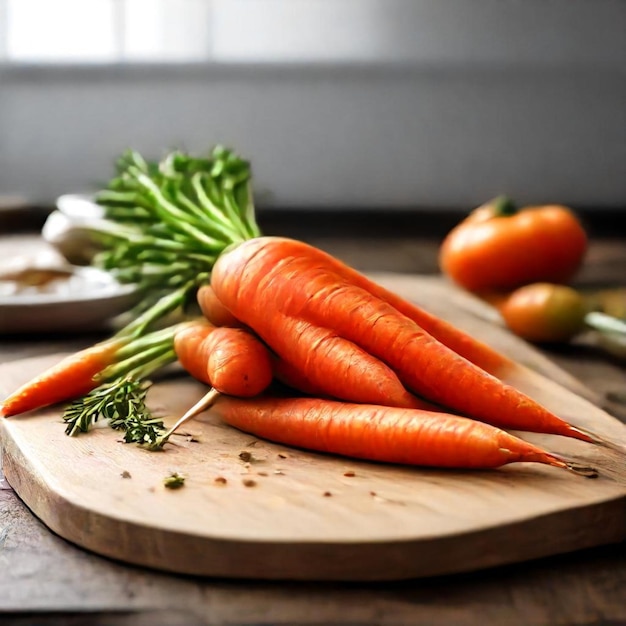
column 168, row 221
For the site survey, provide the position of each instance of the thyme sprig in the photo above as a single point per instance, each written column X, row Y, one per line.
column 120, row 397
column 123, row 404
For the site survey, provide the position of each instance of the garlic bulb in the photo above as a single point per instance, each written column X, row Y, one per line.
column 74, row 238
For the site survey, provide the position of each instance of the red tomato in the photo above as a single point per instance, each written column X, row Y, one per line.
column 545, row 312
column 500, row 248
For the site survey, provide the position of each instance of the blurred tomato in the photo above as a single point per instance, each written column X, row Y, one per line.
column 497, row 247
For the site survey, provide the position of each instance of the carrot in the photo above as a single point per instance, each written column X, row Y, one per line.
column 73, row 376
column 218, row 315
column 189, row 349
column 232, row 360
column 467, row 346
column 269, row 283
column 289, row 375
column 213, row 310
column 454, row 338
column 333, row 365
column 195, row 346
column 236, row 363
column 385, row 434
column 474, row 350
column 464, row 344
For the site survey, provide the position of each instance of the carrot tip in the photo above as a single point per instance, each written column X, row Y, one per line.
column 582, row 470
column 582, row 434
column 601, row 441
column 572, row 466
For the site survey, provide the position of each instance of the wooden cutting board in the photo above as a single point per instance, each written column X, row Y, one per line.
column 279, row 513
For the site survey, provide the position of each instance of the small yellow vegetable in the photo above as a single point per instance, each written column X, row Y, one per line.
column 545, row 312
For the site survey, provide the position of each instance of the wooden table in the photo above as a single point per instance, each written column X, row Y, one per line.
column 45, row 580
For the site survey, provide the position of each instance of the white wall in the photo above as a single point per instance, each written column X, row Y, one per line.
column 525, row 97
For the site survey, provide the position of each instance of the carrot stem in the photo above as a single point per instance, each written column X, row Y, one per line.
column 138, row 363
column 147, row 369
column 167, row 304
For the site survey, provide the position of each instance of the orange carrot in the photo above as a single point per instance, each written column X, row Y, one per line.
column 289, row 375
column 232, row 360
column 334, row 366
column 385, row 434
column 189, row 349
column 474, row 350
column 218, row 315
column 467, row 346
column 272, row 283
column 73, row 376
column 213, row 310
column 355, row 367
column 454, row 338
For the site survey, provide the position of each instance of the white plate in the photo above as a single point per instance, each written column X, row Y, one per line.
column 94, row 299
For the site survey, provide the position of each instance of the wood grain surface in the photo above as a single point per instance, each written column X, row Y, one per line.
column 272, row 517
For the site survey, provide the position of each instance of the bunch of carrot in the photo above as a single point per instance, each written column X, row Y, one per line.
column 371, row 375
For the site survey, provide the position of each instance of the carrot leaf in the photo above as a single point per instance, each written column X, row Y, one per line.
column 170, row 220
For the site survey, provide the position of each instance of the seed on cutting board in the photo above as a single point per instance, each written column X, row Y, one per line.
column 349, row 474
column 327, row 494
column 248, row 482
column 220, row 480
column 246, row 456
column 125, row 474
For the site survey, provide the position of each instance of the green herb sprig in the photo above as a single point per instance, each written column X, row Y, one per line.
column 123, row 404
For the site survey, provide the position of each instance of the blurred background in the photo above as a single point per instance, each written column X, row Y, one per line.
column 401, row 105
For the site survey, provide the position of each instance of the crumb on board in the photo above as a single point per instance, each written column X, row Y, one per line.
column 125, row 474
column 349, row 474
column 327, row 494
column 245, row 456
column 174, row 481
column 248, row 482
column 281, row 455
column 220, row 480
